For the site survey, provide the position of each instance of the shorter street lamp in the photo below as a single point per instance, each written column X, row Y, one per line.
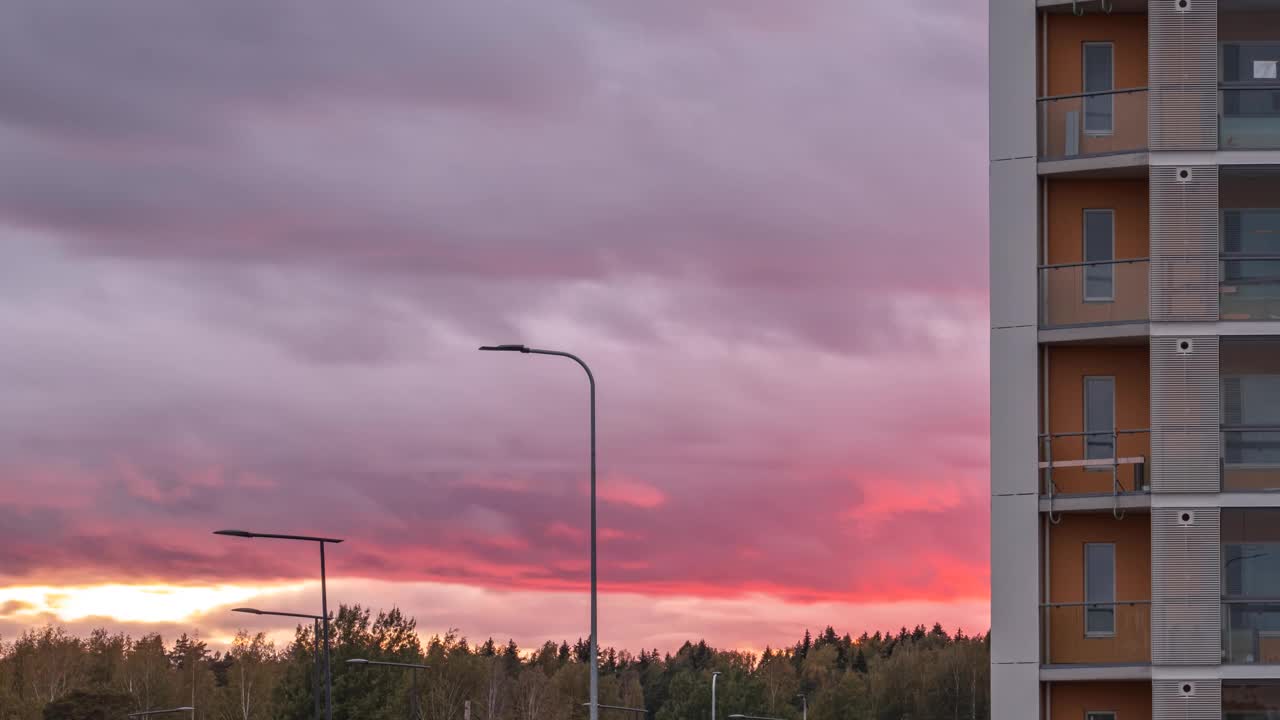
column 315, row 619
column 324, row 599
column 413, row 690
column 145, row 713
column 714, row 675
column 804, row 704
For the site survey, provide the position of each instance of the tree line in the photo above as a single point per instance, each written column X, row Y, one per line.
column 921, row 674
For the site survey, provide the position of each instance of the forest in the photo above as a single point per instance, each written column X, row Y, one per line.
column 921, row 674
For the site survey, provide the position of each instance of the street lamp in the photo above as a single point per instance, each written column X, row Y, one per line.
column 804, row 704
column 145, row 713
column 740, row 716
column 324, row 600
column 595, row 666
column 413, row 690
column 315, row 619
column 714, row 675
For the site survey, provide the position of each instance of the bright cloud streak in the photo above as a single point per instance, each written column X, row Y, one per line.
column 127, row 603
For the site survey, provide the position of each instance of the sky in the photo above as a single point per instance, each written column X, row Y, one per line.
column 249, row 251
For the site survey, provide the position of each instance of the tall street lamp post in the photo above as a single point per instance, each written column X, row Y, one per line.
column 595, row 668
column 324, row 600
column 804, row 707
column 316, row 641
column 413, row 688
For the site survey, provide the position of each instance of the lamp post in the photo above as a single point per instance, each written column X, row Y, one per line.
column 804, row 706
column 146, row 713
column 413, row 688
column 591, row 380
column 714, row 675
column 324, row 600
column 315, row 619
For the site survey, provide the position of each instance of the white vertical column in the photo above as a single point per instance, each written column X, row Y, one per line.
column 1015, row 567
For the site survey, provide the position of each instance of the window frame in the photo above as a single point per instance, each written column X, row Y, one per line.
column 1099, row 715
column 1112, row 607
column 1111, row 92
column 1084, row 254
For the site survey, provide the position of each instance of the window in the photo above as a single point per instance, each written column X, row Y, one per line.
column 1250, row 408
column 1099, row 417
column 1100, row 588
column 1100, row 715
column 1099, row 77
column 1099, row 247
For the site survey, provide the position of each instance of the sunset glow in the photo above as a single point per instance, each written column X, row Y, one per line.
column 125, row 603
column 253, row 300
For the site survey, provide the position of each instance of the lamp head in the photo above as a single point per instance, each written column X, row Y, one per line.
column 251, row 611
column 357, row 661
column 506, row 348
column 234, row 533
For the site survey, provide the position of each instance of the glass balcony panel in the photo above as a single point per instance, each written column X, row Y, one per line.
column 1069, row 463
column 1249, row 289
column 1250, row 118
column 1251, row 460
column 1103, row 123
column 1251, row 632
column 1096, row 633
column 1097, row 293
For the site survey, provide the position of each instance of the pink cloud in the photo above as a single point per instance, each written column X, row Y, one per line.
column 625, row 491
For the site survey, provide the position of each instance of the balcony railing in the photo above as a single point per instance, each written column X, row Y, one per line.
column 1250, row 458
column 1114, row 463
column 1251, row 631
column 1093, row 293
column 1250, row 117
column 1095, row 123
column 1249, row 288
column 1079, row 633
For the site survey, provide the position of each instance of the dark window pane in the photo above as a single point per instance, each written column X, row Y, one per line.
column 1099, row 405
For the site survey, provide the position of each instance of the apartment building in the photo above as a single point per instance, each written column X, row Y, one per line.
column 1135, row 359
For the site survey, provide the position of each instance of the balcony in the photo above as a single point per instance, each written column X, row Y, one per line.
column 1250, row 118
column 1109, row 463
column 1078, row 633
column 1092, row 124
column 1113, row 292
column 1249, row 288
column 1251, row 631
column 1250, row 459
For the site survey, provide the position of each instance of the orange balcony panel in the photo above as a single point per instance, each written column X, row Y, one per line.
column 1128, row 700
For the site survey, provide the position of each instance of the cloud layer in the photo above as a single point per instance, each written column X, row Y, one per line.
column 250, row 251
